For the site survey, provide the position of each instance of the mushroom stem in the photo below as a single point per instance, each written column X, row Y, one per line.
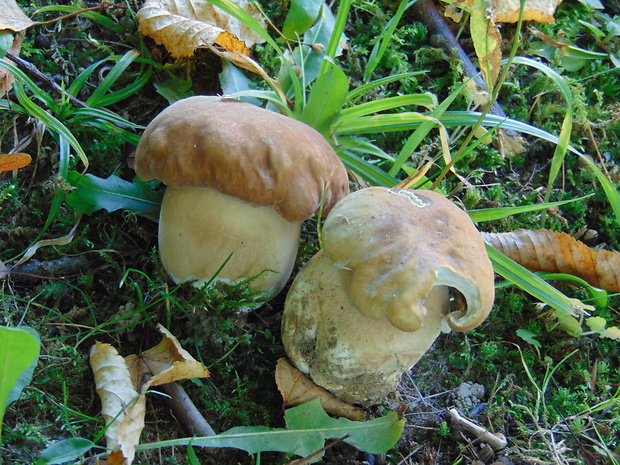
column 199, row 228
column 358, row 358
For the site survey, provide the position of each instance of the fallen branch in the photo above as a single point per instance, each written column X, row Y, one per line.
column 496, row 441
column 185, row 411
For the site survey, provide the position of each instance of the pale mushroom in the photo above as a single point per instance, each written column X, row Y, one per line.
column 397, row 268
column 240, row 180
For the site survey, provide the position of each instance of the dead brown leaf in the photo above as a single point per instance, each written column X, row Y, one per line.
column 164, row 363
column 182, row 26
column 296, row 388
column 14, row 161
column 122, row 382
column 122, row 407
column 12, row 18
column 507, row 11
column 554, row 252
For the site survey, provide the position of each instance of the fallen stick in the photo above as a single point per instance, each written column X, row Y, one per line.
column 185, row 411
column 496, row 441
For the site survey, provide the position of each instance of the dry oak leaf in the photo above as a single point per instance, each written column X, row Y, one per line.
column 507, row 11
column 296, row 388
column 123, row 409
column 122, row 382
column 182, row 26
column 554, row 252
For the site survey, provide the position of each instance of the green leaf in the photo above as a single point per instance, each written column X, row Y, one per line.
column 232, row 80
column 487, row 41
column 6, row 40
column 528, row 337
column 65, row 451
column 308, row 426
column 300, row 17
column 92, row 193
column 376, row 436
column 19, row 349
column 26, row 376
column 493, row 214
column 326, row 99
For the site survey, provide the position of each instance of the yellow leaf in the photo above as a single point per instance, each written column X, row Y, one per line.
column 12, row 17
column 507, row 11
column 555, row 252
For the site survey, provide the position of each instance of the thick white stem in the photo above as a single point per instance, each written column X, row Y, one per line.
column 199, row 228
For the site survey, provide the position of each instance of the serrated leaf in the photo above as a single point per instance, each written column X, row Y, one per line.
column 375, row 436
column 92, row 193
column 596, row 323
column 308, row 426
column 611, row 333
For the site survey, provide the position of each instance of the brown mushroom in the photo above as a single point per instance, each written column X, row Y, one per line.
column 397, row 268
column 240, row 180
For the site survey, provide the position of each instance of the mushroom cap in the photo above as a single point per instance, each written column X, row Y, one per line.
column 243, row 151
column 399, row 244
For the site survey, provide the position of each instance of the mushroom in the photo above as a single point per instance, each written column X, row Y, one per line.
column 240, row 180
column 397, row 268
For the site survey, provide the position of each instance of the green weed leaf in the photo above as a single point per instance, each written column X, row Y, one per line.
column 65, row 451
column 376, row 436
column 493, row 214
column 529, row 337
column 300, row 17
column 308, row 426
column 19, row 349
column 326, row 99
column 92, row 193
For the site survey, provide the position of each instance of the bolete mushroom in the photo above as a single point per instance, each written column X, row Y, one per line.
column 397, row 267
column 240, row 180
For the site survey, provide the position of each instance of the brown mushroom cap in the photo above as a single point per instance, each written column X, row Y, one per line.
column 399, row 244
column 243, row 151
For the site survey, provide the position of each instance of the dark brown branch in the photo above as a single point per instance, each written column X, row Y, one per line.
column 34, row 270
column 33, row 70
column 185, row 411
column 427, row 13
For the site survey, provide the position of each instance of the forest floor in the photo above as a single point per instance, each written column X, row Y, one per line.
column 553, row 394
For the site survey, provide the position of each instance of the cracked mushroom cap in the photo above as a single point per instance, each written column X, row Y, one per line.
column 400, row 244
column 243, row 151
